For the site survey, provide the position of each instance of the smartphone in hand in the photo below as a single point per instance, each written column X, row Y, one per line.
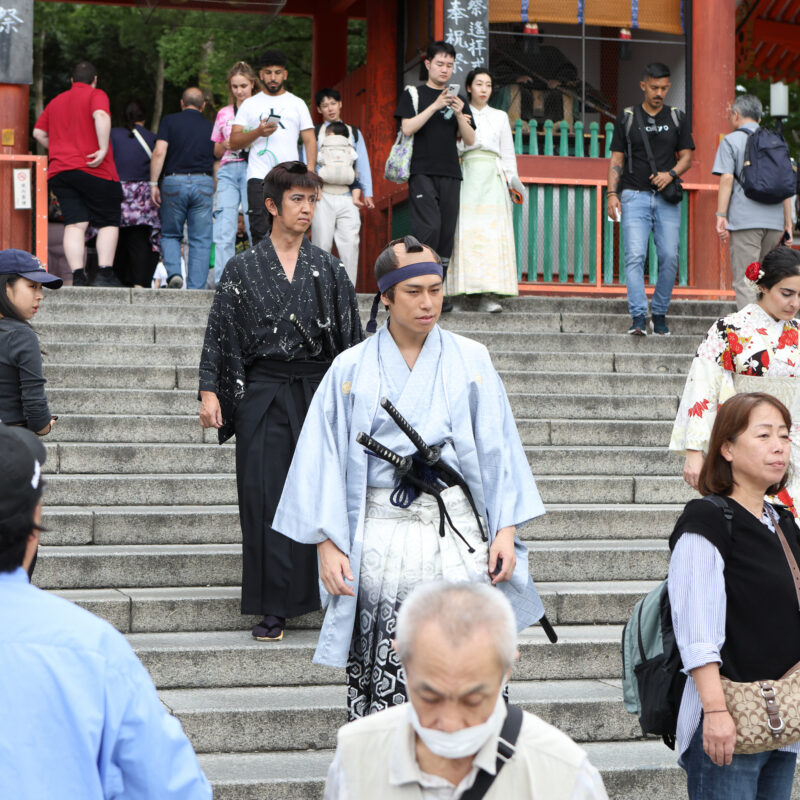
column 452, row 88
column 274, row 118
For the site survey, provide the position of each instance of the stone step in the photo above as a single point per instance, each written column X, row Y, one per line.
column 153, row 524
column 664, row 363
column 97, row 335
column 124, row 313
column 220, row 489
column 630, row 769
column 216, row 608
column 115, row 353
column 165, row 565
column 111, row 376
column 130, row 428
column 271, row 718
column 233, row 658
column 664, row 490
column 145, row 524
column 136, row 458
column 525, row 405
column 583, row 342
column 683, row 325
column 102, row 297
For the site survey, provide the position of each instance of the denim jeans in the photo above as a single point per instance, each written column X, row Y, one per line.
column 643, row 212
column 231, row 192
column 758, row 776
column 187, row 199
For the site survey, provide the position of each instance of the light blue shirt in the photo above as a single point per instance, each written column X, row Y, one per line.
column 744, row 213
column 79, row 715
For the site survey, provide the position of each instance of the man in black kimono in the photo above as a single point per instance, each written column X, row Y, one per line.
column 282, row 312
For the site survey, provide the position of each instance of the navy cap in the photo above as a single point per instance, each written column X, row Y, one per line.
column 22, row 263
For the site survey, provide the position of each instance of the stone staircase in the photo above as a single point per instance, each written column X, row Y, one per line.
column 144, row 530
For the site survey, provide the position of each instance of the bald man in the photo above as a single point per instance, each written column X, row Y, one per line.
column 184, row 158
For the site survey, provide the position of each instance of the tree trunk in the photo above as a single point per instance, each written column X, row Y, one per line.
column 203, row 76
column 38, row 82
column 158, row 98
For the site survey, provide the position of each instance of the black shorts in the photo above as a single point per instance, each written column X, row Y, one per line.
column 87, row 198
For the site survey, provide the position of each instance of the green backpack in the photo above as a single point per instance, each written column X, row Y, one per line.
column 652, row 681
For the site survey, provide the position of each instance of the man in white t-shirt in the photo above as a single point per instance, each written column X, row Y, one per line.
column 270, row 123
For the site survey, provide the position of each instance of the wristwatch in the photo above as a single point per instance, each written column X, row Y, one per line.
column 673, row 173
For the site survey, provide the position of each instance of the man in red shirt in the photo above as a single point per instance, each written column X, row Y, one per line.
column 75, row 127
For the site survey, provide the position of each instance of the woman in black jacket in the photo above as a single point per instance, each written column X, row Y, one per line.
column 733, row 598
column 22, row 398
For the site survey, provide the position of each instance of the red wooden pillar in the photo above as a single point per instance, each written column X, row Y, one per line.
column 15, row 226
column 380, row 129
column 713, row 87
column 329, row 61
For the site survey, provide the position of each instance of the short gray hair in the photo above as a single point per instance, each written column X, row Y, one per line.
column 459, row 609
column 748, row 105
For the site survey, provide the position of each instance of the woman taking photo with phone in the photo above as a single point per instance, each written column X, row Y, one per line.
column 22, row 398
column 484, row 257
column 232, row 172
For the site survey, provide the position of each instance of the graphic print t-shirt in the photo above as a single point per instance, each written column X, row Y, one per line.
column 665, row 141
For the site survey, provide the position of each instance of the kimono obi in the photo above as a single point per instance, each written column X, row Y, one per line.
column 270, row 370
column 786, row 389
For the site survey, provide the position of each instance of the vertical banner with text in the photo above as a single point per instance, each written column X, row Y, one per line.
column 16, row 41
column 466, row 27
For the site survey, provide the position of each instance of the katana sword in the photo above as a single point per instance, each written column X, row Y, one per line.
column 313, row 346
column 324, row 320
column 433, row 457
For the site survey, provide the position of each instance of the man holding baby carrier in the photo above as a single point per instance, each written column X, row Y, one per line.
column 269, row 123
column 436, row 115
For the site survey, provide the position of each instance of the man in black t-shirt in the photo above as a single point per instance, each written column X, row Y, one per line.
column 634, row 194
column 434, row 187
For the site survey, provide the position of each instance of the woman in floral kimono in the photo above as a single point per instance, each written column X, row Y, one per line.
column 754, row 350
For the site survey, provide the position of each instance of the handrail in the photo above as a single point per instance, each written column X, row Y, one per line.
column 40, row 201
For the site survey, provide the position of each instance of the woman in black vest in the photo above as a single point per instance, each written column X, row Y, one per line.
column 734, row 604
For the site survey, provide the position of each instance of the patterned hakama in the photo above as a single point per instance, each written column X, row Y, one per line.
column 403, row 548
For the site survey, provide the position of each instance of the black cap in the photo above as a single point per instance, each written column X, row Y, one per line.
column 22, row 455
column 22, row 263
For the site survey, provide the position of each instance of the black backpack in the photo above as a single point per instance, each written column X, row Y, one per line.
column 768, row 175
column 652, row 681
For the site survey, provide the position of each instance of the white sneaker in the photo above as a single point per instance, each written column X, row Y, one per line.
column 489, row 306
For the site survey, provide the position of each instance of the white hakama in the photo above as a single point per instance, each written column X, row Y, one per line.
column 402, row 548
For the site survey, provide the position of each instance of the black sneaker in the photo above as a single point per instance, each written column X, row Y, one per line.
column 175, row 282
column 107, row 279
column 658, row 323
column 79, row 278
column 638, row 326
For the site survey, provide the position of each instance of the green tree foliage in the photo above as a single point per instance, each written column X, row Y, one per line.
column 198, row 48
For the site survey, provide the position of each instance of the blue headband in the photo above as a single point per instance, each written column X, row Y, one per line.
column 397, row 276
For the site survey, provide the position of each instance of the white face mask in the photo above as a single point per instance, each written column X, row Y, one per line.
column 463, row 743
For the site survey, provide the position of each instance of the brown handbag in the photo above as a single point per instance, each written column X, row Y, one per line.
column 767, row 713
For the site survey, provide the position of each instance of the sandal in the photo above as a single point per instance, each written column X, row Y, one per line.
column 270, row 629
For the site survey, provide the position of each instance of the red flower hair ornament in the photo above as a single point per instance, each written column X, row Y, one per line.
column 754, row 273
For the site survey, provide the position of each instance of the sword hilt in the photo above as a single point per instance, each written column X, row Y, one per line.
column 401, row 463
column 314, row 347
column 430, row 454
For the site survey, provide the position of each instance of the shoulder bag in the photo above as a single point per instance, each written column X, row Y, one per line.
column 673, row 191
column 767, row 713
column 398, row 165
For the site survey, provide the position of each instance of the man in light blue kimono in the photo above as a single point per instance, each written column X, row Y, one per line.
column 373, row 552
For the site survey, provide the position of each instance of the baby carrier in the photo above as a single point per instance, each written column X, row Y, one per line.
column 336, row 159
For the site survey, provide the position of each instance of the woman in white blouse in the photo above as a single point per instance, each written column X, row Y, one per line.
column 484, row 261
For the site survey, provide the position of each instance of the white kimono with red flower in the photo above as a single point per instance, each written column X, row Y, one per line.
column 747, row 351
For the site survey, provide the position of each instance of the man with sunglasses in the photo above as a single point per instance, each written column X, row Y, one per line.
column 282, row 312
